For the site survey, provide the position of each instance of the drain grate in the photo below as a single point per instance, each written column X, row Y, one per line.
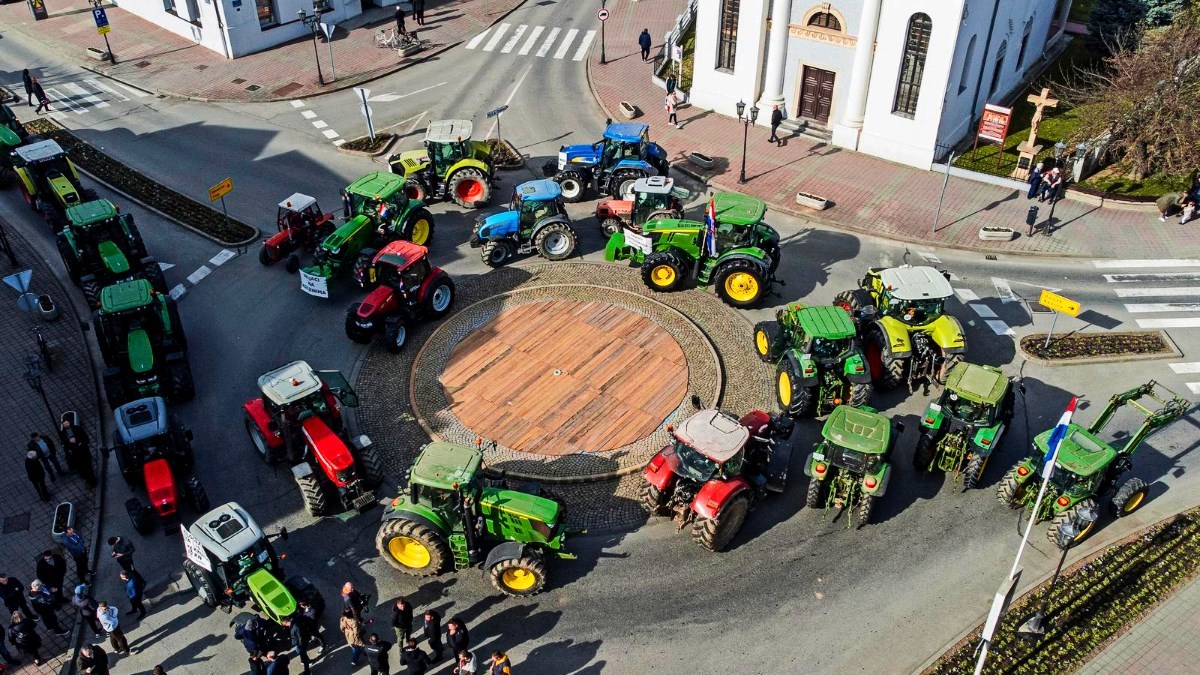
column 201, row 67
column 287, row 89
column 18, row 523
column 253, row 87
column 989, row 257
column 239, row 80
column 142, row 64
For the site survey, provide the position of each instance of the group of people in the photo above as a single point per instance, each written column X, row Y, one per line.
column 41, row 456
column 33, row 89
column 1045, row 185
column 1182, row 204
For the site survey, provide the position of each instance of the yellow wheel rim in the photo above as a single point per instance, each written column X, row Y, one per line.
column 760, row 342
column 663, row 275
column 1085, row 531
column 741, row 286
column 409, row 552
column 420, row 232
column 519, row 579
column 785, row 388
column 1134, row 502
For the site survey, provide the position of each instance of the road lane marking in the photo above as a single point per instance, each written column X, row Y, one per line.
column 1192, row 322
column 164, row 266
column 1136, row 308
column 533, row 36
column 982, row 310
column 1143, row 278
column 966, row 294
column 1156, row 292
column 1003, row 290
column 178, row 291
column 221, row 258
column 104, row 87
column 1185, row 368
column 1147, row 263
column 136, row 92
column 477, row 39
column 512, row 41
column 339, row 142
column 297, row 104
column 512, row 94
column 198, row 276
column 545, row 48
column 929, row 257
column 320, row 124
column 566, row 43
column 330, row 133
column 583, row 46
column 65, row 101
column 85, row 94
column 1194, row 387
column 496, row 37
column 999, row 327
column 308, row 114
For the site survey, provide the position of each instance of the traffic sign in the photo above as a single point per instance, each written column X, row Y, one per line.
column 602, row 15
column 363, row 95
column 220, row 190
column 327, row 30
column 496, row 111
column 100, row 17
column 19, row 281
column 101, row 30
column 1058, row 303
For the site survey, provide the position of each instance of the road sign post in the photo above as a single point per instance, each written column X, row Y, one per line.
column 603, row 16
column 103, row 28
column 495, row 112
column 1060, row 305
column 327, row 29
column 219, row 191
column 363, row 95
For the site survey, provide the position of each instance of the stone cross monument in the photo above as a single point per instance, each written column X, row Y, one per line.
column 1029, row 149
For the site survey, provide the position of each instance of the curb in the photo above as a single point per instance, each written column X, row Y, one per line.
column 363, row 153
column 1175, row 353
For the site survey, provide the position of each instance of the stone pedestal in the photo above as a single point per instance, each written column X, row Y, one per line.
column 1025, row 160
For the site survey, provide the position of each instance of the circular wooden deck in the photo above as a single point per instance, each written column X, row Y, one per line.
column 563, row 376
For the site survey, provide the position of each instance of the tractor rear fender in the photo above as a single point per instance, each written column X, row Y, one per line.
column 469, row 163
column 898, row 342
column 258, row 415
column 616, row 249
column 402, row 509
column 986, row 438
column 802, row 367
column 279, row 242
column 810, row 465
column 634, row 165
column 855, row 369
column 160, row 486
column 328, row 448
column 509, row 550
column 716, row 493
column 660, row 470
column 435, row 275
column 875, row 484
column 1031, row 465
column 744, row 252
column 613, row 208
column 947, row 332
column 380, row 301
column 549, row 220
column 27, row 180
column 933, row 416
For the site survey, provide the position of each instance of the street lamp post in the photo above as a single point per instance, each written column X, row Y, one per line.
column 1035, row 628
column 746, row 122
column 33, row 376
column 311, row 22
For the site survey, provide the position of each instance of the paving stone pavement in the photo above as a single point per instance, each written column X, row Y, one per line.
column 69, row 385
column 1163, row 643
column 870, row 195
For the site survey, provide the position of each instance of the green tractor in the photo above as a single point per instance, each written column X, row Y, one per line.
column 849, row 468
column 48, row 181
column 908, row 337
column 819, row 364
column 143, row 345
column 101, row 246
column 962, row 428
column 452, row 166
column 12, row 135
column 511, row 533
column 1087, row 468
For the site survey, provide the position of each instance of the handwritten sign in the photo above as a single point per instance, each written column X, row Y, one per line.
column 993, row 126
column 220, row 189
column 1058, row 303
column 639, row 242
column 314, row 284
column 194, row 550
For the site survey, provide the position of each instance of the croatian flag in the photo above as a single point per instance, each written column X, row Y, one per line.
column 384, row 210
column 1056, row 438
column 710, row 228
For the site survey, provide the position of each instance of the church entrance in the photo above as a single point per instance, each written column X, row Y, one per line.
column 816, row 94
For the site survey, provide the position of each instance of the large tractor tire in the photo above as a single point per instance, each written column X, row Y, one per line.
column 68, row 257
column 1067, row 516
column 924, row 452
column 715, row 534
column 353, row 331
column 369, row 466
column 182, row 386
column 611, row 226
column 773, row 255
column 154, row 274
column 973, row 473
column 1129, row 497
column 114, row 388
column 555, row 241
column 141, row 517
column 741, row 282
column 886, row 369
column 469, row 188
column 202, row 583
column 815, row 497
column 264, row 256
column 414, row 189
column 572, row 186
column 765, row 335
column 412, row 548
column 793, row 398
column 198, row 496
column 622, row 183
column 316, row 502
column 1010, row 492
column 652, row 499
column 948, row 362
column 860, row 394
column 292, row 265
column 395, row 335
column 496, row 254
column 91, row 291
column 439, row 299
column 258, row 440
column 177, row 333
column 862, row 511
column 853, row 301
column 138, row 245
column 520, row 577
column 419, row 228
column 663, row 271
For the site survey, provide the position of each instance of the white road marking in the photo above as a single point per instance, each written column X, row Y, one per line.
column 982, row 310
column 1156, row 292
column 330, row 133
column 496, row 37
column 929, row 257
column 389, row 97
column 512, row 41
column 339, row 142
column 1185, row 368
column 511, row 95
column 533, row 36
column 197, row 276
column 59, row 99
column 178, row 292
column 1192, row 322
column 104, row 87
column 320, row 124
column 1194, row 387
column 165, row 266
column 966, row 294
column 1003, row 290
column 297, row 104
column 999, row 327
column 477, row 39
column 583, row 46
column 85, row 94
column 1144, row 278
column 136, row 92
column 545, row 48
column 221, row 258
column 1148, row 263
column 1136, row 308
column 308, row 114
column 566, row 43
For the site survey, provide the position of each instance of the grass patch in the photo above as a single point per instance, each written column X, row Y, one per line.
column 1115, row 180
column 1091, row 345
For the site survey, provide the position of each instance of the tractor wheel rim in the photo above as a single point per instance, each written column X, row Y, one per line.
column 785, row 388
column 741, row 286
column 499, row 254
column 469, row 190
column 1134, row 502
column 413, row 192
column 760, row 342
column 1085, row 531
column 401, row 336
column 557, row 243
column 519, row 579
column 569, row 187
column 420, row 231
column 663, row 275
column 441, row 298
column 409, row 552
column 259, row 443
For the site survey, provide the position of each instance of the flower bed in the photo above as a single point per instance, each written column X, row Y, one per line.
column 504, row 155
column 369, row 145
column 1095, row 601
column 1091, row 345
column 143, row 189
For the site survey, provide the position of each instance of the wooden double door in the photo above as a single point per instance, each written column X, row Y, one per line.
column 816, row 94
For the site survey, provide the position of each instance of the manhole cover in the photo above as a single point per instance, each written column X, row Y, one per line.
column 142, row 64
column 287, row 89
column 18, row 523
column 238, row 80
column 201, row 67
column 253, row 87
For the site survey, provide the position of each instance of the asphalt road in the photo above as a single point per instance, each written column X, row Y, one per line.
column 797, row 592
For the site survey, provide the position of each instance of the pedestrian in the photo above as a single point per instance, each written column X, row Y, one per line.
column 25, row 638
column 432, row 629
column 13, row 593
column 416, row 661
column 402, row 618
column 158, row 670
column 37, row 475
column 43, row 603
column 93, row 660
column 258, row 663
column 27, row 80
column 354, row 601
column 250, row 633
column 297, row 639
column 457, row 638
column 122, row 550
column 7, row 655
column 671, row 83
column 672, row 105
column 110, row 621
column 467, row 663
column 377, row 655
column 77, row 548
column 1189, row 209
column 86, row 605
column 47, row 453
column 77, row 449
column 310, row 623
column 352, row 630
column 499, row 664
column 135, row 589
column 1035, row 180
column 276, row 664
column 776, row 120
column 1050, row 183
column 419, row 11
column 52, row 571
column 400, row 20
column 644, row 40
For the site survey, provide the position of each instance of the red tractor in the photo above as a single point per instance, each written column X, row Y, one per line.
column 404, row 288
column 298, row 418
column 302, row 227
column 649, row 198
column 154, row 450
column 716, row 469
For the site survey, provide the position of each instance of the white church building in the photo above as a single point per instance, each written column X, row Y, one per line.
column 890, row 78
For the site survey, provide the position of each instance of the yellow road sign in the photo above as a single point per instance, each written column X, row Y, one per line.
column 101, row 30
column 1058, row 303
column 220, row 189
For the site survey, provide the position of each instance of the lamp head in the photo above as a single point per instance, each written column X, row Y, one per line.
column 1059, row 147
column 753, row 114
column 741, row 108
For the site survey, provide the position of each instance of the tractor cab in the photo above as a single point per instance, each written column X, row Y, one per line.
column 537, row 199
column 738, row 220
column 710, row 445
column 914, row 295
column 401, row 265
column 857, row 439
column 233, row 549
column 448, row 142
column 622, row 141
column 46, row 160
column 378, row 195
column 656, row 193
column 975, row 395
column 298, row 392
column 825, row 332
column 144, row 432
column 132, row 322
column 96, row 228
column 299, row 212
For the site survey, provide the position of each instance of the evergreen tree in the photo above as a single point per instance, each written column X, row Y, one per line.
column 1161, row 12
column 1115, row 25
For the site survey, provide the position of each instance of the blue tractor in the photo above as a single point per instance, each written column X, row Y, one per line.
column 536, row 219
column 611, row 166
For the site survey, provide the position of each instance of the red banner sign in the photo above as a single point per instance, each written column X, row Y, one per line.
column 993, row 126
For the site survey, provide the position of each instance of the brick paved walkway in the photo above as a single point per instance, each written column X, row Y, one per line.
column 69, row 386
column 161, row 62
column 870, row 195
column 1164, row 643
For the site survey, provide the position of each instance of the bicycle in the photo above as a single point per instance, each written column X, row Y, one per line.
column 409, row 42
column 43, row 346
column 387, row 38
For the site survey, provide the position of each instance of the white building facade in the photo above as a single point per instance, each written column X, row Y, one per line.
column 891, row 78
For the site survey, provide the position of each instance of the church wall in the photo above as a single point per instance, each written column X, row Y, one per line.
column 821, row 49
column 719, row 90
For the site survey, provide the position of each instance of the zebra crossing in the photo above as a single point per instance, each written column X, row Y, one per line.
column 84, row 96
column 523, row 39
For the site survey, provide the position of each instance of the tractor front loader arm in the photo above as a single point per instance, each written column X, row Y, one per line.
column 1171, row 407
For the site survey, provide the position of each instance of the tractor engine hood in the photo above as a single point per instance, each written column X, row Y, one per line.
column 378, row 301
column 141, row 354
column 498, row 225
column 114, row 259
column 409, row 161
column 64, row 190
column 329, row 450
column 583, row 154
column 9, row 138
column 609, row 208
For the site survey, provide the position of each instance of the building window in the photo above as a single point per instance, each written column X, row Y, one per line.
column 908, row 89
column 1024, row 44
column 966, row 68
column 268, row 17
column 825, row 20
column 999, row 68
column 727, row 37
column 169, row 6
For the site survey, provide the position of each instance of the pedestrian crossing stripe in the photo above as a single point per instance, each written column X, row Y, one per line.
column 545, row 48
column 74, row 97
column 498, row 38
column 533, row 36
column 1152, row 292
column 1144, row 278
column 1142, row 308
column 1185, row 322
column 1146, row 263
column 1185, row 368
column 512, row 41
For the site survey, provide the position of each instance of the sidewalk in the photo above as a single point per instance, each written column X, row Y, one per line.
column 69, row 386
column 1163, row 643
column 161, row 62
column 870, row 195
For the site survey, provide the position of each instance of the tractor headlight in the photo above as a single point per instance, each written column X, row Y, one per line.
column 143, row 381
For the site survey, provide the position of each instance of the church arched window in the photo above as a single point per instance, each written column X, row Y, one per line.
column 825, row 20
column 912, row 68
column 966, row 65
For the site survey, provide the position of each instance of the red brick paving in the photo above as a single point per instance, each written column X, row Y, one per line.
column 870, row 195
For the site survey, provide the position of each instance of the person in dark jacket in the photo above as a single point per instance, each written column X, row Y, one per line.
column 414, row 659
column 250, row 634
column 52, row 572
column 353, row 601
column 135, row 590
column 37, row 475
column 77, row 448
column 298, row 640
column 402, row 618
column 671, row 83
column 23, row 634
column 12, row 591
column 77, row 548
column 377, row 655
column 276, row 664
column 87, row 606
column 419, row 11
column 4, row 653
column 27, row 80
column 645, row 41
column 43, row 603
column 499, row 664
column 400, row 20
column 1035, row 180
column 776, row 120
column 122, row 550
column 309, row 623
column 47, row 453
column 93, row 660
column 432, row 629
column 457, row 638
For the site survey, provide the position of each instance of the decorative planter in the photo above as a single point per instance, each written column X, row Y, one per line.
column 46, row 308
column 628, row 109
column 387, row 145
column 513, row 158
column 700, row 160
column 812, row 201
column 98, row 54
column 997, row 233
column 64, row 517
